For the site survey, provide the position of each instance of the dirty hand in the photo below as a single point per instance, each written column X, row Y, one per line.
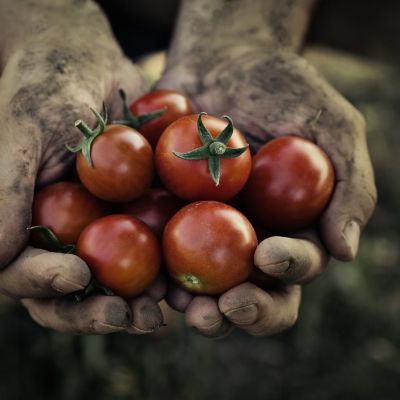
column 57, row 58
column 234, row 67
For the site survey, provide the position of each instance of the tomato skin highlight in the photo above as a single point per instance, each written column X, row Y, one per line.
column 123, row 165
column 208, row 247
column 123, row 254
column 191, row 180
column 66, row 208
column 155, row 208
column 290, row 185
column 177, row 105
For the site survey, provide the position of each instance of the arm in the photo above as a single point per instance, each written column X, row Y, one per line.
column 223, row 30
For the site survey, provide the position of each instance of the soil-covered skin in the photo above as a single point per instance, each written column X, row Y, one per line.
column 345, row 344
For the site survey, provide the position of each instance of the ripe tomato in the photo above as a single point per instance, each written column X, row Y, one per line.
column 290, row 184
column 123, row 165
column 122, row 253
column 155, row 208
column 176, row 104
column 66, row 208
column 208, row 247
column 191, row 179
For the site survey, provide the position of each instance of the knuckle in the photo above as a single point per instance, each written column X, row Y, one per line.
column 291, row 320
column 370, row 197
column 269, row 327
column 360, row 124
column 35, row 315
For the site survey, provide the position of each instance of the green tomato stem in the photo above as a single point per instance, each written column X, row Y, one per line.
column 83, row 128
column 136, row 121
column 90, row 134
column 217, row 148
column 213, row 149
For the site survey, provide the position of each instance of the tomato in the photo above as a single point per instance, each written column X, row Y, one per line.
column 123, row 165
column 193, row 179
column 122, row 253
column 176, row 104
column 66, row 208
column 290, row 184
column 155, row 208
column 208, row 247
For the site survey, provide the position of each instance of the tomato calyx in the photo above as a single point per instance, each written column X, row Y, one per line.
column 93, row 288
column 213, row 149
column 90, row 134
column 312, row 122
column 51, row 241
column 190, row 282
column 136, row 121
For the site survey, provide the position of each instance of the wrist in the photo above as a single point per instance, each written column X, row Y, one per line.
column 22, row 23
column 207, row 29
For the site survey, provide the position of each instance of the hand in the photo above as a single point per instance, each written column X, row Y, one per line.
column 57, row 59
column 269, row 94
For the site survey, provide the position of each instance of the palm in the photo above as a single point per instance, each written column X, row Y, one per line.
column 269, row 95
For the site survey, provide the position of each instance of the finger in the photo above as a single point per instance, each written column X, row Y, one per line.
column 204, row 316
column 178, row 298
column 158, row 289
column 129, row 78
column 258, row 312
column 37, row 273
column 291, row 260
column 354, row 196
column 146, row 316
column 95, row 315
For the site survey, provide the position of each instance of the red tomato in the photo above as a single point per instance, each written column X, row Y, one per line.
column 208, row 247
column 155, row 208
column 176, row 104
column 123, row 165
column 290, row 184
column 122, row 253
column 66, row 208
column 191, row 180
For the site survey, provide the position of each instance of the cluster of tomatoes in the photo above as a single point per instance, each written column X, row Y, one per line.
column 153, row 192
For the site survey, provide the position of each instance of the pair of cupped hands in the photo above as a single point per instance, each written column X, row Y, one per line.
column 52, row 70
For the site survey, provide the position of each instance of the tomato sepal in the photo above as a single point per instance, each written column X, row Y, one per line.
column 136, row 121
column 190, row 282
column 94, row 287
column 51, row 241
column 213, row 149
column 200, row 153
column 90, row 134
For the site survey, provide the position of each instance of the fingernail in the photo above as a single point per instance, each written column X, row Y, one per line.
column 352, row 237
column 118, row 313
column 217, row 330
column 138, row 331
column 147, row 316
column 102, row 327
column 62, row 285
column 276, row 267
column 243, row 315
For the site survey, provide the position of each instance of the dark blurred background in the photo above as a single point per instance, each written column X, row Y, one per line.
column 346, row 343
